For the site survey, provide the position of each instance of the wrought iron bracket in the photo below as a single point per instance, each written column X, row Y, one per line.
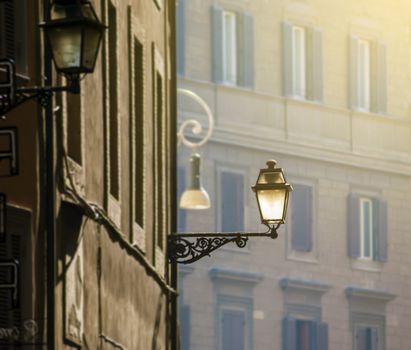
column 12, row 96
column 183, row 250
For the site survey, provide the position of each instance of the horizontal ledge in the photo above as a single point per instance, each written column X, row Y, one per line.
column 218, row 273
column 376, row 294
column 297, row 284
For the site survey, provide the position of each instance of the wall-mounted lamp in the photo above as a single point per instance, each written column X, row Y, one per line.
column 195, row 196
column 272, row 192
column 74, row 34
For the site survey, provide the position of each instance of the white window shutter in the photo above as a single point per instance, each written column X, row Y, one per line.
column 317, row 65
column 287, row 59
column 353, row 72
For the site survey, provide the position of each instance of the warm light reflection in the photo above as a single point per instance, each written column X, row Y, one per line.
column 271, row 204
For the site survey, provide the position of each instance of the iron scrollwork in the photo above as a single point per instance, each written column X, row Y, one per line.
column 183, row 249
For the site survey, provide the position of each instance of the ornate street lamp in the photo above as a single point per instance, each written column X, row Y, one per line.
column 74, row 34
column 272, row 192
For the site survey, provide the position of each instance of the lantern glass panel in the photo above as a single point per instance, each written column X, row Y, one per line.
column 66, row 45
column 273, row 177
column 92, row 37
column 271, row 202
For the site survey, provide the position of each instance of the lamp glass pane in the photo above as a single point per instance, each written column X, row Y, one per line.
column 271, row 204
column 271, row 178
column 92, row 37
column 66, row 45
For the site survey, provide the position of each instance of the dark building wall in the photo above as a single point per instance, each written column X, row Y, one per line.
column 112, row 277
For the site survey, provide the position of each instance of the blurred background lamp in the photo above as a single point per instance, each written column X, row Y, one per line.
column 195, row 196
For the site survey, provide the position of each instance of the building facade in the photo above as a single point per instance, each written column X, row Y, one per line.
column 323, row 88
column 90, row 271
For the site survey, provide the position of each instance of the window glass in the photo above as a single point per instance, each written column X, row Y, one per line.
column 299, row 61
column 230, row 47
column 364, row 74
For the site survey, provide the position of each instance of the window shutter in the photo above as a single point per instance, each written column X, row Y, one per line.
column 301, row 237
column 381, row 84
column 232, row 187
column 217, row 42
column 317, row 65
column 181, row 183
column 289, row 334
column 185, row 327
column 233, row 330
column 361, row 338
column 380, row 209
column 373, row 338
column 247, row 75
column 322, row 336
column 180, row 13
column 353, row 72
column 7, row 48
column 353, row 226
column 287, row 59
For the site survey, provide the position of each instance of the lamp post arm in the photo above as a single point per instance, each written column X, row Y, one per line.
column 42, row 94
column 183, row 250
column 196, row 127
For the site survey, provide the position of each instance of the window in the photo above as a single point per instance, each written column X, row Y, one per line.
column 299, row 61
column 302, row 326
column 234, row 309
column 368, row 75
column 232, row 202
column 301, row 218
column 232, row 47
column 138, row 130
column 232, row 329
column 302, row 62
column 114, row 164
column 367, row 228
column 139, row 126
column 367, row 317
column 229, row 47
column 13, row 37
column 304, row 334
column 180, row 33
column 366, row 337
column 364, row 74
column 158, row 158
column 74, row 127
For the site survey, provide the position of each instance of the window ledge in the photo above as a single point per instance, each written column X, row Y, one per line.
column 375, row 294
column 218, row 273
column 305, row 257
column 297, row 284
column 367, row 265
